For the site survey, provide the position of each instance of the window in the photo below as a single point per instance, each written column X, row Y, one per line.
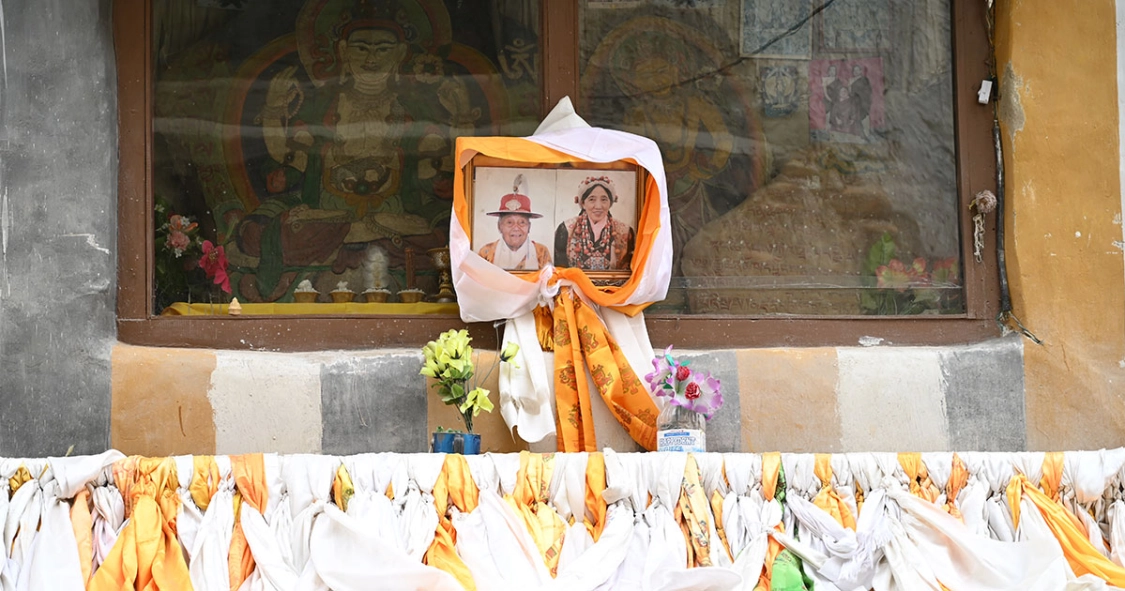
column 820, row 156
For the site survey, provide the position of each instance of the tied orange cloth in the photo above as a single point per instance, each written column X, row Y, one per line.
column 828, row 499
column 342, row 488
column 1050, row 482
column 250, row 479
column 147, row 554
column 529, row 501
column 595, row 486
column 204, row 481
column 454, row 486
column 1082, row 556
column 958, row 478
column 717, row 511
column 692, row 512
column 582, row 341
column 83, row 524
column 920, row 484
column 771, row 471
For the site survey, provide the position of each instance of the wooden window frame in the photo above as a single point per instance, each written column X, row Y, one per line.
column 138, row 324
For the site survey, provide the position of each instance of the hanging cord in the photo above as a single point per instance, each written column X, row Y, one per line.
column 1006, row 317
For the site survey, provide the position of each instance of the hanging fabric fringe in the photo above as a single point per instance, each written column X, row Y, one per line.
column 882, row 521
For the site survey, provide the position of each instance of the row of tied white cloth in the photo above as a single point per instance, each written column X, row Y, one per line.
column 303, row 541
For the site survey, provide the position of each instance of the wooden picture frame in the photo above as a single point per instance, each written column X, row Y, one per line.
column 518, row 210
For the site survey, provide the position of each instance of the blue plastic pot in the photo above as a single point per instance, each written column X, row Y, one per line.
column 457, row 443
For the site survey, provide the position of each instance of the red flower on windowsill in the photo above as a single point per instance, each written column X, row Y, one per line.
column 214, row 263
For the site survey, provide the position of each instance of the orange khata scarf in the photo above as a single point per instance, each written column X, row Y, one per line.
column 581, row 341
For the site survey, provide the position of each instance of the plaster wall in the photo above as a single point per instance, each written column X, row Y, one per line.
column 183, row 401
column 58, row 172
column 1059, row 109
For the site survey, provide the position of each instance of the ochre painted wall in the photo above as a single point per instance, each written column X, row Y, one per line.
column 1058, row 84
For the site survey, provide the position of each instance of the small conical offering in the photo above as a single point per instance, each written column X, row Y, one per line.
column 235, row 308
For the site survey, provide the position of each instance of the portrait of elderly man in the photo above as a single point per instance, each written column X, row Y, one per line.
column 515, row 250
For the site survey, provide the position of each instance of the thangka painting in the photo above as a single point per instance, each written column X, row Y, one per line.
column 846, row 100
column 854, row 26
column 780, row 87
column 314, row 139
column 663, row 79
column 776, row 28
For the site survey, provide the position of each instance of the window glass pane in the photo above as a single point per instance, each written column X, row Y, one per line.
column 313, row 139
column 809, row 147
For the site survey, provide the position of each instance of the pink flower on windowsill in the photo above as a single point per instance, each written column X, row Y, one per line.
column 177, row 242
column 214, row 264
column 179, row 227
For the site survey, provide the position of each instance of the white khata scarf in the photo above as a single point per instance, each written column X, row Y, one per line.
column 520, row 258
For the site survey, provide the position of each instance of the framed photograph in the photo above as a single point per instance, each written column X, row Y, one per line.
column 524, row 216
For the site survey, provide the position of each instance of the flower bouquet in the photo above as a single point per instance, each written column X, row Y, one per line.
column 690, row 398
column 449, row 361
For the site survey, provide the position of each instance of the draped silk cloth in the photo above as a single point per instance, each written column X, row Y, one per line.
column 615, row 352
column 582, row 341
column 147, row 554
column 454, row 488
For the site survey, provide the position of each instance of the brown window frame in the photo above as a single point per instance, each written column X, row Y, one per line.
column 138, row 324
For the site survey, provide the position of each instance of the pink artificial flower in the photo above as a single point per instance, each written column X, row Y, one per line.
column 214, row 263
column 705, row 397
column 177, row 242
column 658, row 379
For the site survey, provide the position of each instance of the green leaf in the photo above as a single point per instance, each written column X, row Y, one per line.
column 880, row 254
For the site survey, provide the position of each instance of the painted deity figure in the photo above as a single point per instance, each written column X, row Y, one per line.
column 362, row 161
column 693, row 138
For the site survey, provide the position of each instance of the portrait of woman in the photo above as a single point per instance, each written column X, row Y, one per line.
column 593, row 240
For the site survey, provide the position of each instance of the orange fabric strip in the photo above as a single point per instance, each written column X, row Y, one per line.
column 585, row 407
column 695, row 515
column 342, row 488
column 771, row 469
column 147, row 554
column 454, row 485
column 1052, row 474
column 618, row 385
column 570, row 382
column 83, row 524
column 249, row 472
column 717, row 512
column 529, row 502
column 958, row 478
column 771, row 466
column 544, row 327
column 204, row 481
column 595, row 486
column 920, row 484
column 1082, row 556
column 250, row 477
column 828, row 499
